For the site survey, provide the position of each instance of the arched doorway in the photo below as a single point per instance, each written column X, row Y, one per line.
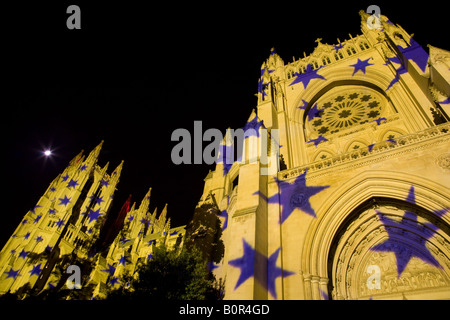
column 391, row 249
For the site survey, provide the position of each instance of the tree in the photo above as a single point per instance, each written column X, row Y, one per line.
column 170, row 275
column 204, row 232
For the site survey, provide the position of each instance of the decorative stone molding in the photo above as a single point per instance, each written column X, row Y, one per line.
column 380, row 151
column 443, row 161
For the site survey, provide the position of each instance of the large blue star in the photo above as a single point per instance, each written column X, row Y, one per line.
column 72, row 183
column 23, row 254
column 99, row 200
column 12, row 273
column 104, row 182
column 36, row 270
column 306, row 77
column 93, row 215
column 294, row 196
column 361, row 65
column 399, row 244
column 246, row 263
column 64, row 201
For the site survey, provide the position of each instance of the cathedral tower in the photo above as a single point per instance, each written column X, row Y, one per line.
column 358, row 205
column 62, row 227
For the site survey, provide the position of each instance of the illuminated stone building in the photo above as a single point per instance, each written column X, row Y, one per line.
column 358, row 206
column 67, row 227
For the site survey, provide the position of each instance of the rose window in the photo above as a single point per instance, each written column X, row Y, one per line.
column 344, row 109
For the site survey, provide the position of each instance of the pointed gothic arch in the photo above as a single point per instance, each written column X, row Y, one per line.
column 336, row 215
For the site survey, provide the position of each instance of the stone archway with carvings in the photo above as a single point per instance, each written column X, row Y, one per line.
column 391, row 249
column 387, row 210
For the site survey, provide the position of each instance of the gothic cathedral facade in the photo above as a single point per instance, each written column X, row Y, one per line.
column 358, row 207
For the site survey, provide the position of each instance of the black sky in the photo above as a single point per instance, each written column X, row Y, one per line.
column 133, row 74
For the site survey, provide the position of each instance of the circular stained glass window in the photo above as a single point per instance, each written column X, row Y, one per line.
column 344, row 109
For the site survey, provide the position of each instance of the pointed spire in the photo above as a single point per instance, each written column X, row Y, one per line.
column 146, row 201
column 162, row 216
column 93, row 155
column 76, row 159
column 115, row 175
column 153, row 216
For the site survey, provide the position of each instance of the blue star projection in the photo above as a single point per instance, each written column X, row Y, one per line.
column 400, row 242
column 94, row 215
column 274, row 272
column 224, row 214
column 104, row 182
column 122, row 260
column 253, row 124
column 361, row 65
column 338, row 47
column 60, row 223
column 99, row 200
column 401, row 70
column 306, row 77
column 111, row 269
column 72, row 183
column 378, row 121
column 294, row 196
column 416, row 53
column 304, row 105
column 446, row 101
column 12, row 273
column 23, row 254
column 36, row 270
column 318, row 140
column 225, row 157
column 247, row 265
column 113, row 281
column 35, row 207
column 64, row 201
column 264, row 69
column 314, row 112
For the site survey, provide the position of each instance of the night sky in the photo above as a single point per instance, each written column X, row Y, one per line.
column 133, row 74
